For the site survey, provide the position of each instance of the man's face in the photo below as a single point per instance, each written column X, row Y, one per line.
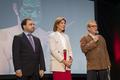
column 93, row 28
column 30, row 26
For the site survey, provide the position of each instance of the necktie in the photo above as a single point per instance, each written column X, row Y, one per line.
column 31, row 41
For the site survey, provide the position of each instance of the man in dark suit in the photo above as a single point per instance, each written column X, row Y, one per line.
column 28, row 58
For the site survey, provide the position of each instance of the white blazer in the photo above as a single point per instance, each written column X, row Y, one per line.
column 56, row 49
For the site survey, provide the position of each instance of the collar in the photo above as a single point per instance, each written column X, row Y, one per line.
column 26, row 33
column 91, row 35
column 59, row 33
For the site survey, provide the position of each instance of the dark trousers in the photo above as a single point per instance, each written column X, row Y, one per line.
column 31, row 77
column 97, row 75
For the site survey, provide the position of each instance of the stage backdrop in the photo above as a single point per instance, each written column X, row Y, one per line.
column 44, row 13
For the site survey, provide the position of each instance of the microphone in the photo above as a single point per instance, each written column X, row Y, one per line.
column 97, row 32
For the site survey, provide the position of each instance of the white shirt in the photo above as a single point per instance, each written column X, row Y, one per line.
column 26, row 33
column 93, row 36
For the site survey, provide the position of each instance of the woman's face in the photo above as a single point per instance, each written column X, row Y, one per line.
column 61, row 26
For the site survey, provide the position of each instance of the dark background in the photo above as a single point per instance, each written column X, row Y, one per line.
column 107, row 15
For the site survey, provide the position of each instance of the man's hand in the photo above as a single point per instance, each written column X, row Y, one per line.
column 96, row 38
column 19, row 73
column 41, row 73
column 109, row 67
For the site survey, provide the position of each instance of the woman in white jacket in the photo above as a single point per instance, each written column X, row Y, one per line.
column 61, row 52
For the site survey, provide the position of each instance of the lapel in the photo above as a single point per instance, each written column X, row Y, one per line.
column 90, row 37
column 28, row 42
column 58, row 38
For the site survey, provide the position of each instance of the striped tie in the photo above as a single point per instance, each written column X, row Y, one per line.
column 31, row 41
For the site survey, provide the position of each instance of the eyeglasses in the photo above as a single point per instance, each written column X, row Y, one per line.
column 93, row 26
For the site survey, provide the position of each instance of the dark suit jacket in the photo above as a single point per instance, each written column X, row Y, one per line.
column 24, row 57
column 96, row 53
